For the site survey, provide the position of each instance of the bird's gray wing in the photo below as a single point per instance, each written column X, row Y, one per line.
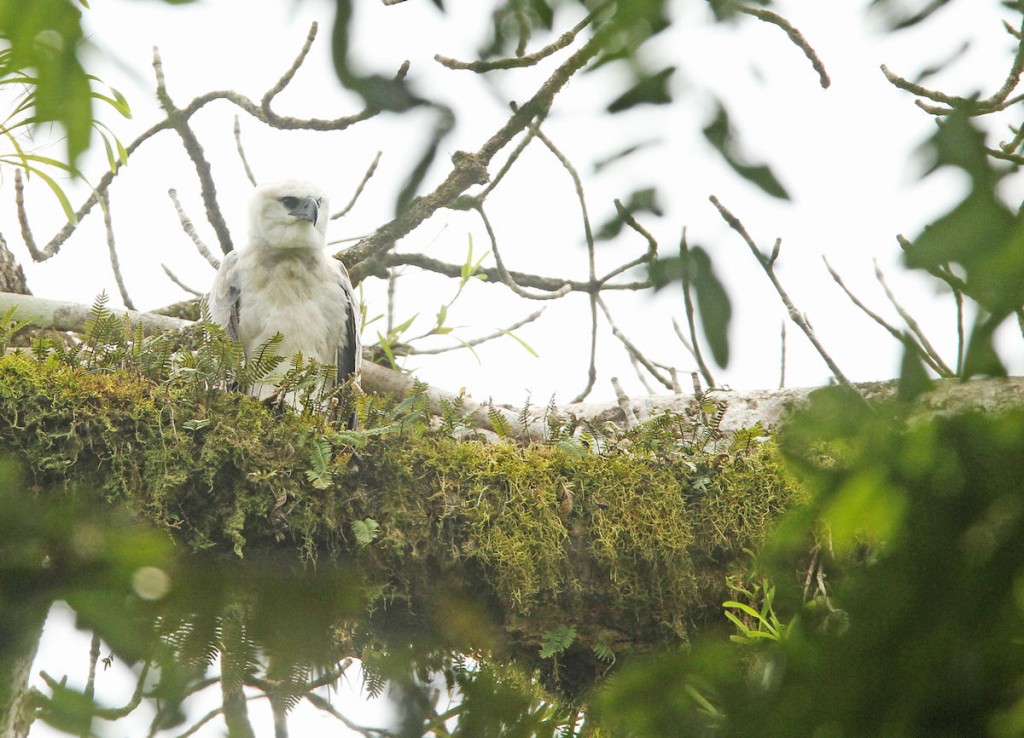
column 225, row 296
column 349, row 351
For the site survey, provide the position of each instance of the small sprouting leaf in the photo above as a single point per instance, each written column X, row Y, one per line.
column 58, row 192
column 365, row 531
column 522, row 343
column 195, row 424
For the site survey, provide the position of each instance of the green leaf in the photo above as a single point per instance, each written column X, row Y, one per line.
column 320, row 456
column 365, row 531
column 720, row 135
column 554, row 642
column 522, row 343
column 607, row 161
column 694, row 269
column 650, row 89
column 715, row 307
column 866, row 506
column 914, row 380
column 603, row 652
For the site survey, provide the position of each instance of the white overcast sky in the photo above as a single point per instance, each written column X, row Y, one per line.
column 845, row 154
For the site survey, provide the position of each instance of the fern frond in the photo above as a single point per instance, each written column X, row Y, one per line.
column 320, row 456
column 554, row 642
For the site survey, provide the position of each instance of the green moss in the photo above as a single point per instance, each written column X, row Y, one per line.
column 632, row 548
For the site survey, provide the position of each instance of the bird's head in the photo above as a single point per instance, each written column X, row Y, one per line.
column 289, row 215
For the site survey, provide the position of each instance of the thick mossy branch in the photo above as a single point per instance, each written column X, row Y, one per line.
column 631, row 547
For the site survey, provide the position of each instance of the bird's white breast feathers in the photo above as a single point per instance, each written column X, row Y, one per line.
column 298, row 294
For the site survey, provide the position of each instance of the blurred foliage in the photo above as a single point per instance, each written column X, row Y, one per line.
column 926, row 528
column 723, row 138
column 981, row 236
column 40, row 71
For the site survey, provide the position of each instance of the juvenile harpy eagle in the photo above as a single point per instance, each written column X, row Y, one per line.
column 284, row 282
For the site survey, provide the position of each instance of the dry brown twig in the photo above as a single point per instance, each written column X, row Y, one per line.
column 998, row 100
column 889, row 328
column 795, row 36
column 177, row 119
column 526, row 60
column 190, row 231
column 768, row 265
column 115, row 263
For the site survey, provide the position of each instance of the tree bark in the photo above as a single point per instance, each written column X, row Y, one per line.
column 17, row 654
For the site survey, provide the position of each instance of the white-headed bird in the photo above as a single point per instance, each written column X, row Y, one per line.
column 284, row 282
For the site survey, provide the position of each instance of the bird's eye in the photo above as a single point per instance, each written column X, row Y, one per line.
column 290, row 202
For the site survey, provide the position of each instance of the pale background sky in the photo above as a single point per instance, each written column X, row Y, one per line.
column 846, row 156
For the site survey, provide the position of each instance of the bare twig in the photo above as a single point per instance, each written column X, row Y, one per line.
column 891, row 329
column 794, row 35
column 90, row 682
column 392, row 296
column 174, row 278
column 194, row 728
column 592, row 365
column 925, row 345
column 631, row 347
column 684, row 251
column 525, row 60
column 782, row 356
column 503, row 273
column 469, row 168
column 323, row 705
column 682, row 338
column 795, row 315
column 999, row 100
column 523, row 279
column 481, row 339
column 241, row 153
column 525, row 141
column 180, row 118
column 115, row 263
column 638, row 368
column 359, row 189
column 588, row 232
column 959, row 289
column 190, row 231
column 646, row 258
column 268, row 116
column 195, row 152
column 116, row 713
column 624, row 404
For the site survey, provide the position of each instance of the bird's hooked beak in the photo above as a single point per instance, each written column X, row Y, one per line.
column 307, row 209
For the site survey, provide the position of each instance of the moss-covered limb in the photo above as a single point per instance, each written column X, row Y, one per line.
column 630, row 548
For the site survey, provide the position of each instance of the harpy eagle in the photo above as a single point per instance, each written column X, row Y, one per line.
column 284, row 282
